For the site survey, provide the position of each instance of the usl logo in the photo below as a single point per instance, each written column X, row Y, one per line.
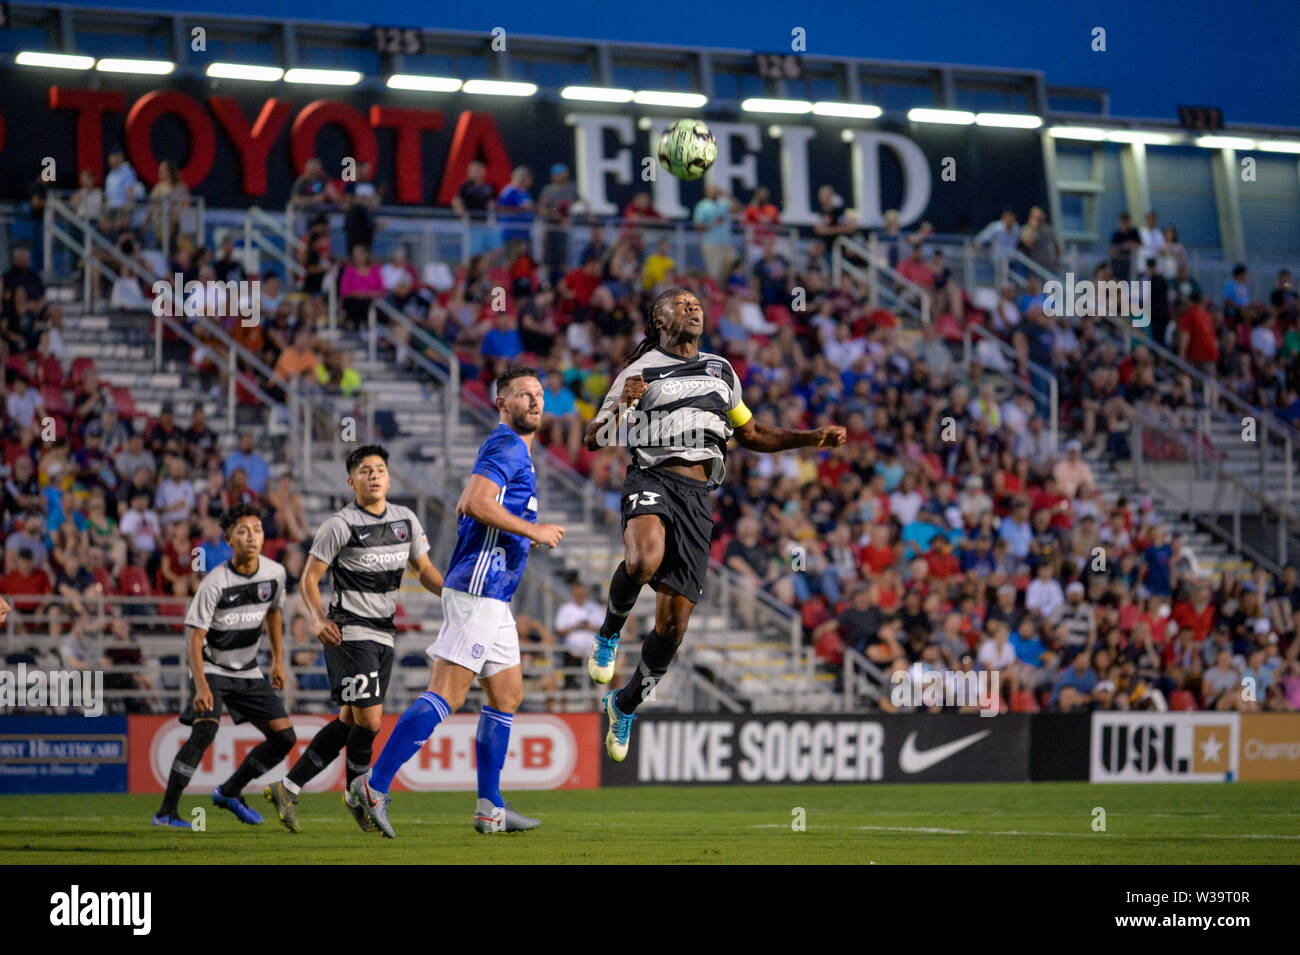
column 1141, row 747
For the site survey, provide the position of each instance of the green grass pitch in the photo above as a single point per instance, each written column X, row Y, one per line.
column 1241, row 823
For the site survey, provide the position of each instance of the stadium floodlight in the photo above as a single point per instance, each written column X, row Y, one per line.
column 1008, row 120
column 1090, row 133
column 142, row 67
column 666, row 98
column 55, row 61
column 597, row 94
column 500, row 87
column 950, row 117
column 1140, row 136
column 1278, row 146
column 245, row 71
column 323, row 77
column 757, row 104
column 428, row 84
column 846, row 110
column 1225, row 142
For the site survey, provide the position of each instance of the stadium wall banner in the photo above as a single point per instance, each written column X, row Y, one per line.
column 547, row 751
column 675, row 748
column 1164, row 747
column 237, row 148
column 1270, row 746
column 1058, row 746
column 63, row 754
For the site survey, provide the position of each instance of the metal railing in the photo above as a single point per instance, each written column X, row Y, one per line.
column 1206, row 489
column 865, row 264
column 1048, row 396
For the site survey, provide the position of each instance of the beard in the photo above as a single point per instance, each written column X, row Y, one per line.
column 522, row 425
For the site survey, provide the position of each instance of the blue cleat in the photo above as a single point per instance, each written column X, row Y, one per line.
column 600, row 661
column 168, row 820
column 236, row 805
column 620, row 729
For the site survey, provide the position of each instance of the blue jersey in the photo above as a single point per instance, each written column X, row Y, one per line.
column 489, row 562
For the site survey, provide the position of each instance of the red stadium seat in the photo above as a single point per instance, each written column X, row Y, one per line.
column 79, row 368
column 135, row 582
column 814, row 614
column 719, row 548
column 1182, row 700
column 274, row 547
column 19, row 365
column 55, row 401
column 1022, row 701
column 50, row 373
column 124, row 403
column 830, row 647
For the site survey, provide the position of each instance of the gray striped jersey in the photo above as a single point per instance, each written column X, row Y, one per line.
column 368, row 555
column 231, row 608
column 689, row 409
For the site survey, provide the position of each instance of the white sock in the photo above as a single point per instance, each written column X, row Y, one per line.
column 291, row 787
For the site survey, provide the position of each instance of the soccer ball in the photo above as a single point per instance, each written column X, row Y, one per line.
column 687, row 149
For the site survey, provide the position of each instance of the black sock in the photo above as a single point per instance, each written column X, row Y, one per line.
column 623, row 591
column 261, row 759
column 185, row 764
column 320, row 752
column 360, row 741
column 656, row 654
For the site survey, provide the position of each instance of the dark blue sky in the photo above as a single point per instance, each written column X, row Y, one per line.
column 1239, row 56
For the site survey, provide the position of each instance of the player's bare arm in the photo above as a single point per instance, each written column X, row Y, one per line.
column 756, row 436
column 327, row 632
column 202, row 692
column 430, row 576
column 633, row 389
column 275, row 633
column 479, row 501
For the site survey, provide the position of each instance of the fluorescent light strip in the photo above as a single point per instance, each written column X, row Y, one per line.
column 951, row 117
column 1008, row 120
column 1138, row 136
column 428, row 84
column 244, row 71
column 1225, row 142
column 665, row 98
column 597, row 94
column 499, row 88
column 323, row 77
column 846, row 110
column 1278, row 146
column 1088, row 133
column 760, row 105
column 145, row 67
column 55, row 61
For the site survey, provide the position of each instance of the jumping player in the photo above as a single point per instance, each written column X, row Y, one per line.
column 687, row 406
column 496, row 527
column 366, row 547
column 225, row 621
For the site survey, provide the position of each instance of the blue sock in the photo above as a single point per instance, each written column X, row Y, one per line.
column 410, row 733
column 490, row 745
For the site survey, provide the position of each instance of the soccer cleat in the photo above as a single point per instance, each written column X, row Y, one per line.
column 286, row 806
column 358, row 813
column 243, row 812
column 490, row 818
column 620, row 729
column 373, row 804
column 167, row 819
column 600, row 661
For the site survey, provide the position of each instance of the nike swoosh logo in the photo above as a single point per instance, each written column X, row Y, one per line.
column 362, row 537
column 912, row 761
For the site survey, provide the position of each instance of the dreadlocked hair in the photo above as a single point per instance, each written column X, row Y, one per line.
column 654, row 330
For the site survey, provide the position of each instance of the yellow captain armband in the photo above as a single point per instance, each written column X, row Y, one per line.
column 739, row 415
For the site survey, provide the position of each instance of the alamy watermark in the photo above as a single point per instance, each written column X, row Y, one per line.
column 649, row 429
column 920, row 687
column 1085, row 298
column 195, row 299
column 59, row 689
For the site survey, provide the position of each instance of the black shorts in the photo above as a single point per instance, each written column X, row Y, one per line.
column 685, row 506
column 358, row 672
column 247, row 700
